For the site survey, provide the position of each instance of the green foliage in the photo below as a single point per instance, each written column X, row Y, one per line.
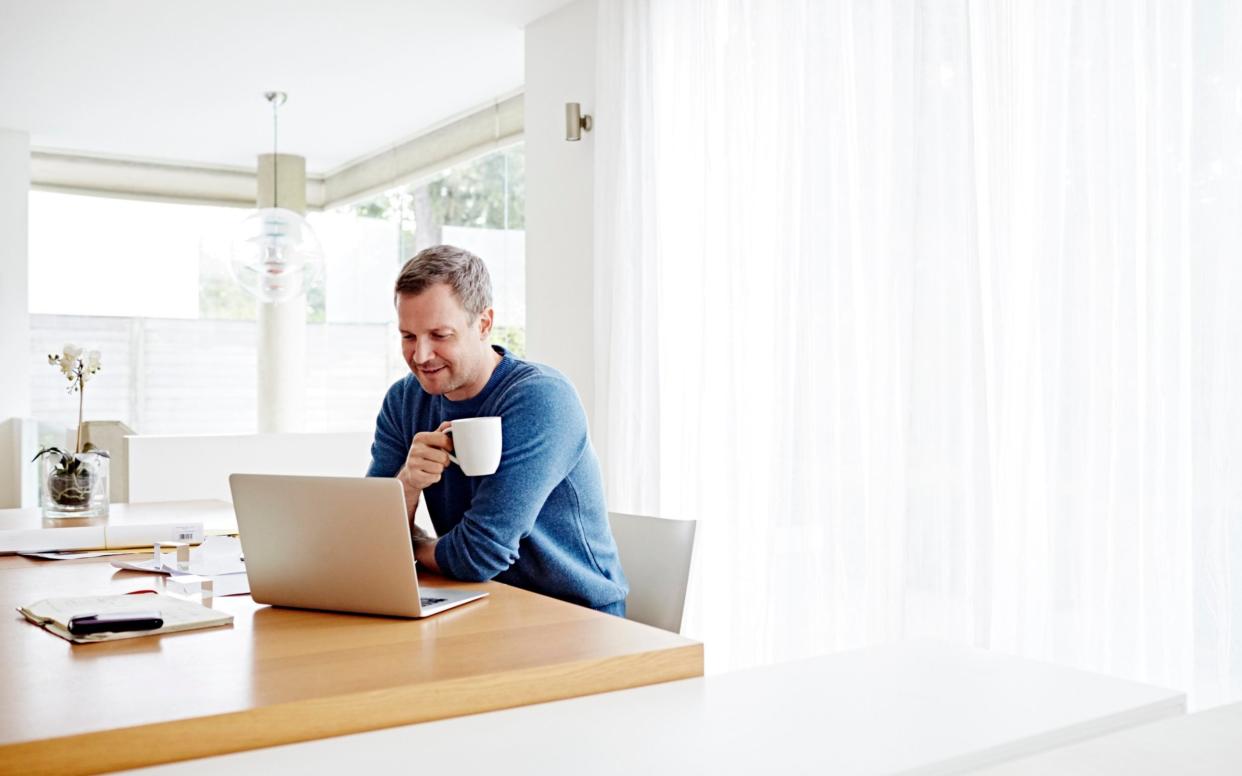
column 69, row 462
column 486, row 193
column 316, row 304
column 476, row 194
column 220, row 298
column 376, row 208
column 512, row 338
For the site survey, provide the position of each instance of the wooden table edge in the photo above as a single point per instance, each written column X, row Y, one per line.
column 287, row 723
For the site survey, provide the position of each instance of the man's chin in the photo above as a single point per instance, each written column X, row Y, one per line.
column 433, row 384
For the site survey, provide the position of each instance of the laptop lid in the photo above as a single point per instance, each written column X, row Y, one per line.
column 336, row 543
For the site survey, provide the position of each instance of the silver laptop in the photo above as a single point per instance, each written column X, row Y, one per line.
column 336, row 543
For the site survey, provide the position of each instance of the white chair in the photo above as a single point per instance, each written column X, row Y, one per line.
column 655, row 554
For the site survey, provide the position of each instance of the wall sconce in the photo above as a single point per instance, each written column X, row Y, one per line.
column 575, row 122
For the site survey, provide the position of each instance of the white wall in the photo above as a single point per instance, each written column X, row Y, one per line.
column 11, row 454
column 560, row 68
column 14, row 314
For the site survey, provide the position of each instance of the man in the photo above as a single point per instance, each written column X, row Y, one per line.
column 539, row 522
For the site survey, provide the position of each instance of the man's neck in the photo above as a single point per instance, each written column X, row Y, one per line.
column 477, row 386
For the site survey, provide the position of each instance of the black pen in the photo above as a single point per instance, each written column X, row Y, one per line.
column 86, row 624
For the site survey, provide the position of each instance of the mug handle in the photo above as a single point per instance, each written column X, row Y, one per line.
column 448, row 432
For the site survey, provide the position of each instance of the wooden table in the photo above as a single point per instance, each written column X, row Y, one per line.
column 915, row 708
column 283, row 675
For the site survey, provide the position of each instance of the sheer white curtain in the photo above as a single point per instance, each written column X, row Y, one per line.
column 926, row 312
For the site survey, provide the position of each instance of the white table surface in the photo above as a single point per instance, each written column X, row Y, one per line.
column 1209, row 742
column 919, row 707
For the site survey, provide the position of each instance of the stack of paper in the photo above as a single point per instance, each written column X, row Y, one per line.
column 102, row 536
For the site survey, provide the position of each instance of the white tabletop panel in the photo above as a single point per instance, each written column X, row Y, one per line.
column 1208, row 743
column 914, row 708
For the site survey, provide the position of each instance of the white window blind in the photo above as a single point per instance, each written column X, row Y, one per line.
column 167, row 376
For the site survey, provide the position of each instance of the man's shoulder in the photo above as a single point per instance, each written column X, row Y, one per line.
column 533, row 377
column 531, row 386
column 530, row 369
column 538, row 400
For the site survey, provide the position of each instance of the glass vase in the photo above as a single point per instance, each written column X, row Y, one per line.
column 75, row 491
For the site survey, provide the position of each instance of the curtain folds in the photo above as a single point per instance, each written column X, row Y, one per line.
column 925, row 311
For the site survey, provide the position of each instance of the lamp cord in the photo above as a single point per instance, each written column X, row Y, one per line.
column 275, row 159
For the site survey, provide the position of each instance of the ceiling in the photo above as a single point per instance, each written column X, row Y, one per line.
column 182, row 80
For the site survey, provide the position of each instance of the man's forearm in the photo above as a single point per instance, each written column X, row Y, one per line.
column 425, row 552
column 411, row 500
column 418, row 534
column 424, row 543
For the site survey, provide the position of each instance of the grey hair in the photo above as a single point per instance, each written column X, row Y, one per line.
column 464, row 272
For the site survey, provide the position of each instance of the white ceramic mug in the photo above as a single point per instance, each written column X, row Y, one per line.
column 476, row 445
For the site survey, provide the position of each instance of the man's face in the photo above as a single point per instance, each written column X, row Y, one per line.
column 443, row 344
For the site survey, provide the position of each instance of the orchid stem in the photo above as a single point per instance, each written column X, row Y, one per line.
column 81, row 404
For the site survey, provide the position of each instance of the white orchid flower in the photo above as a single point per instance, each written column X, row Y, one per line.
column 90, row 364
column 77, row 367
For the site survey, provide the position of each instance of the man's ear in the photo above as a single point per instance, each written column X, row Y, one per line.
column 485, row 323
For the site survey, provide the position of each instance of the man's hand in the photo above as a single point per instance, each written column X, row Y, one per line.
column 426, row 461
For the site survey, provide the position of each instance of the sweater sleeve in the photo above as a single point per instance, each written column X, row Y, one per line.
column 544, row 433
column 390, row 445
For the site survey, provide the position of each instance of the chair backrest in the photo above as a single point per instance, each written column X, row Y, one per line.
column 655, row 554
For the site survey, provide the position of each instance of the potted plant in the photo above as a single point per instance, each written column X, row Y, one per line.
column 75, row 484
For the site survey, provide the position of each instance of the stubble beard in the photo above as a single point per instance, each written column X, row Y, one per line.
column 455, row 381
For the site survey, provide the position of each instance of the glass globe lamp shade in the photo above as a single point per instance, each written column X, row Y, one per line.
column 274, row 254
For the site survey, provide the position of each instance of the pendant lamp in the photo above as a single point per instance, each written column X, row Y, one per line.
column 274, row 253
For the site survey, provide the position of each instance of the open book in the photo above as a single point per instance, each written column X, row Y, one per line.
column 53, row 614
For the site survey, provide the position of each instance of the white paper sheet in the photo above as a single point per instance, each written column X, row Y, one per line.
column 216, row 556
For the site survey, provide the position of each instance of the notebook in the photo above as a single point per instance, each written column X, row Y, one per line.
column 53, row 614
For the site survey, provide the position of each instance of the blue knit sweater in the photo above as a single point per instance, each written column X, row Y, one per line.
column 539, row 522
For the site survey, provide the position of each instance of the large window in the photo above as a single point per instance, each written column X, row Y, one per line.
column 478, row 206
column 146, row 283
